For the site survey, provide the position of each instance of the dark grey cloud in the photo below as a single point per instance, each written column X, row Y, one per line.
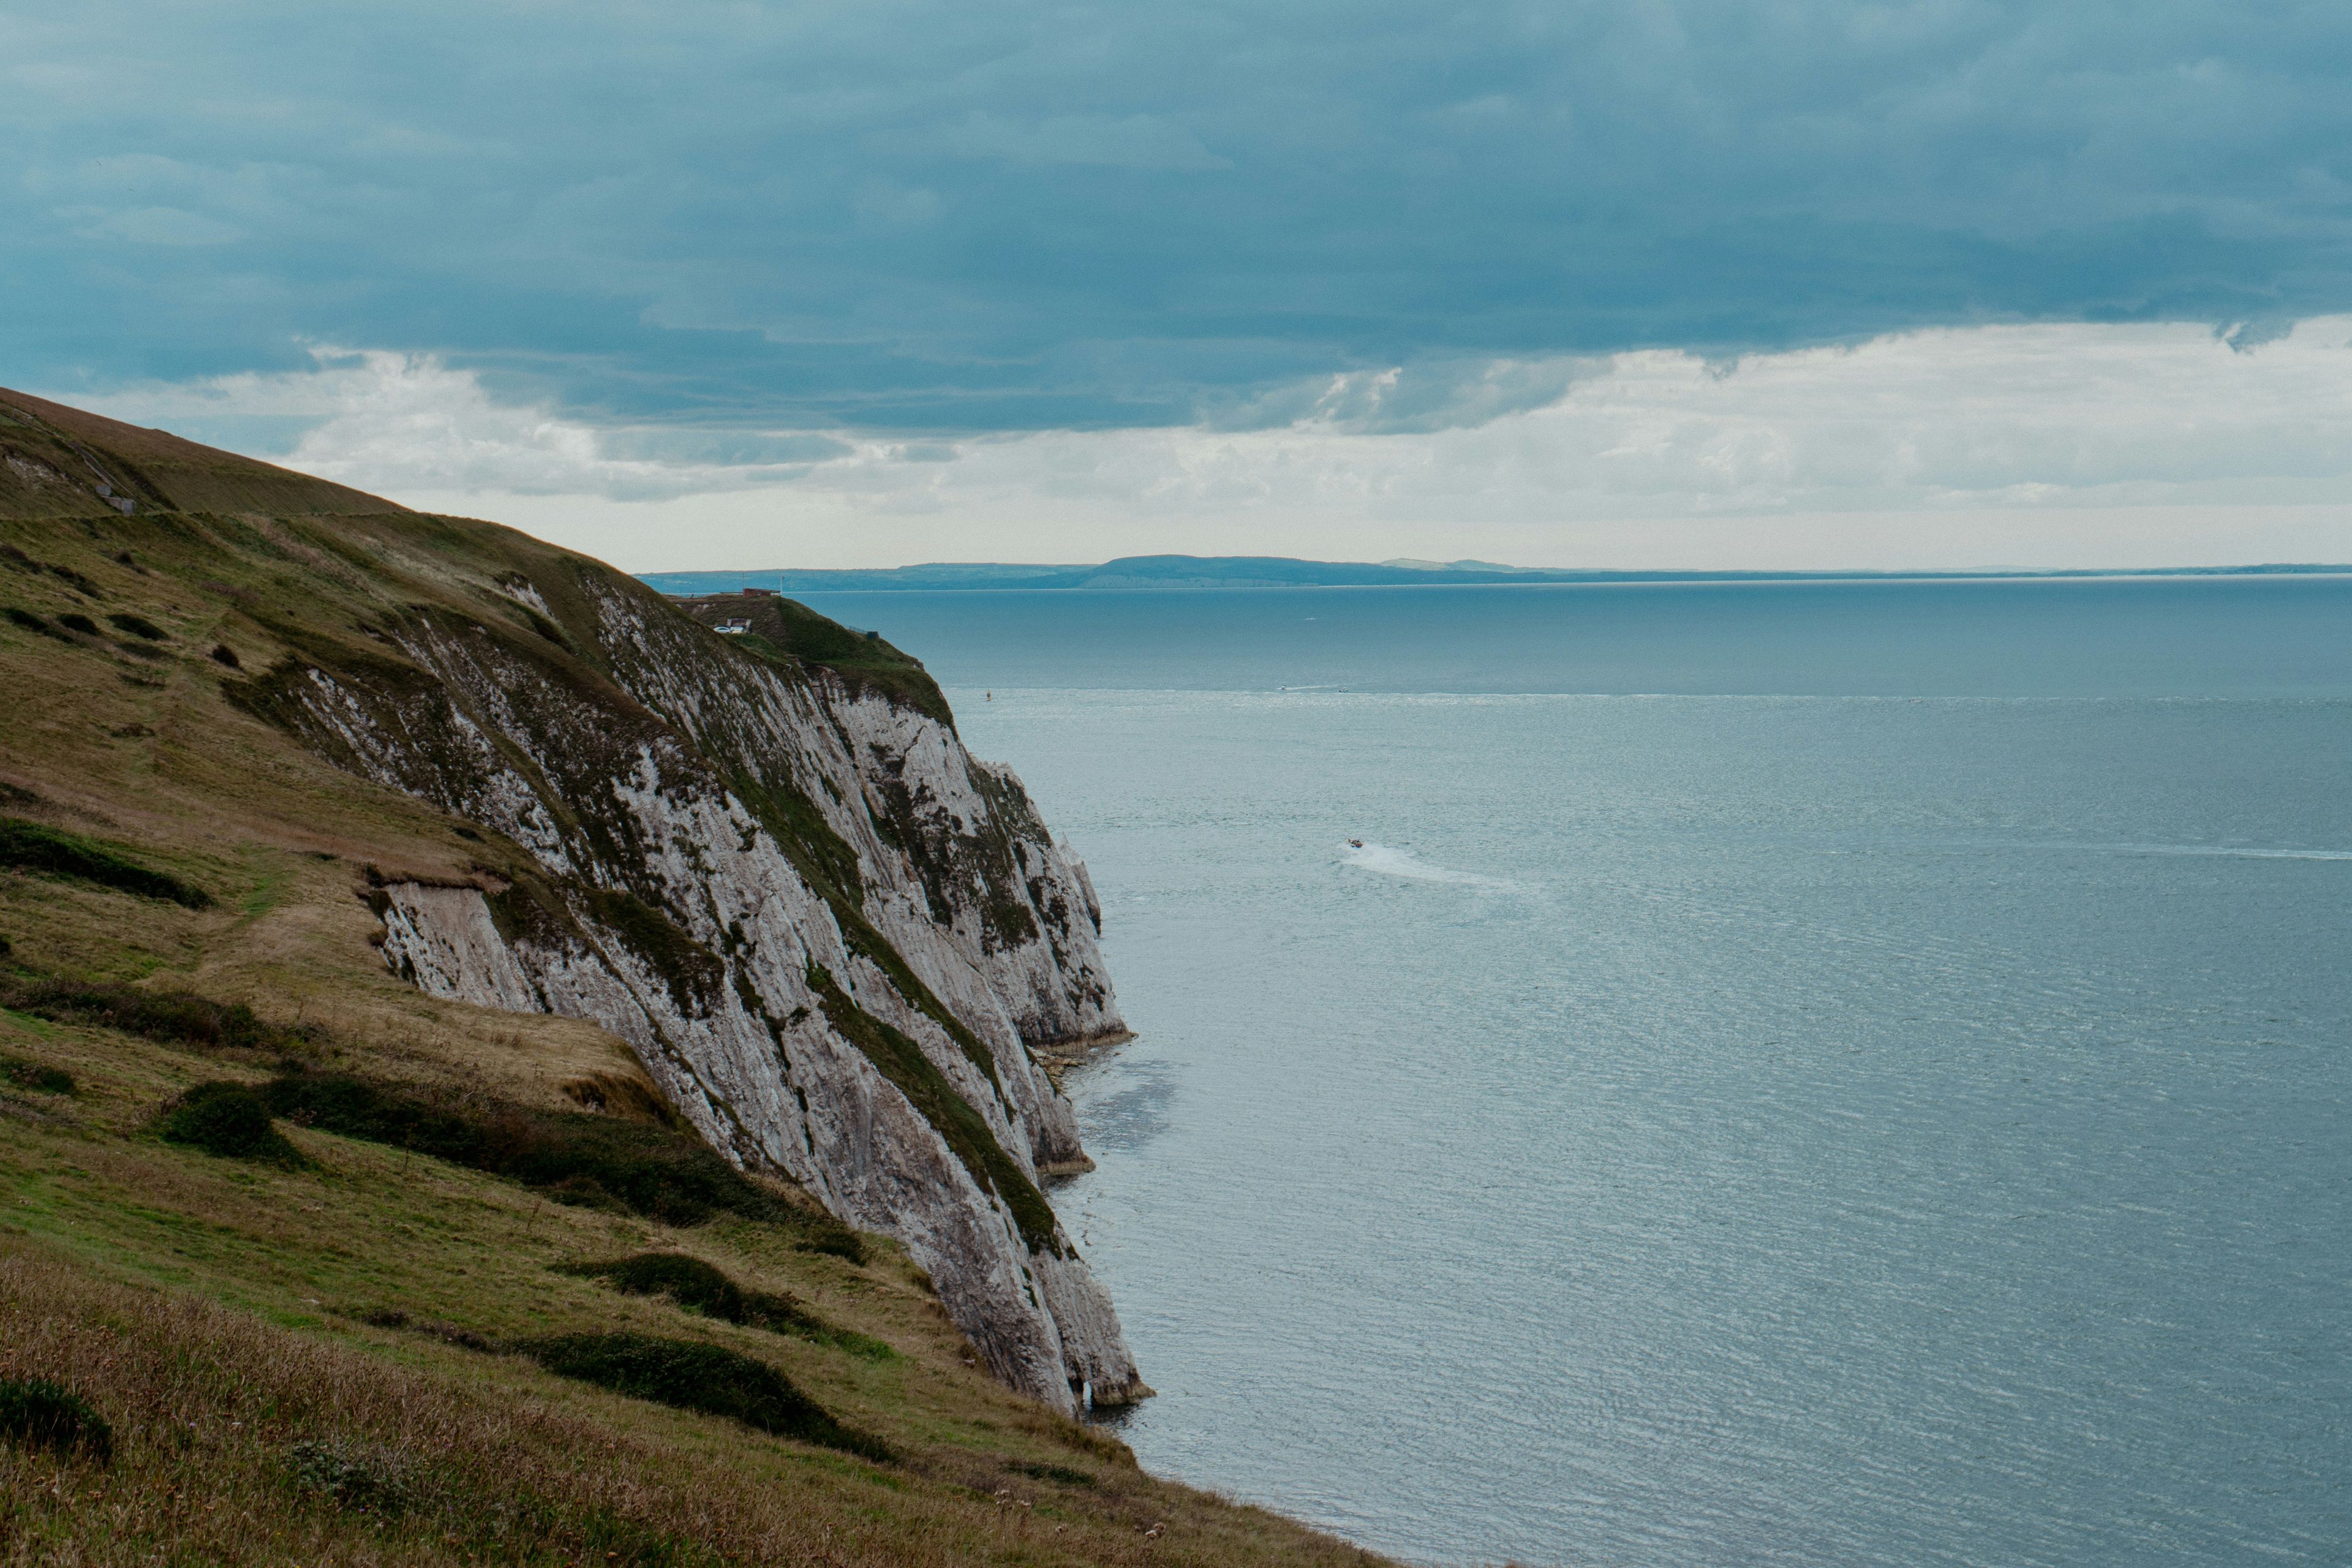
column 981, row 215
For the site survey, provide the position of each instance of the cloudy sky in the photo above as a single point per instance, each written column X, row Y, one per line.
column 1683, row 282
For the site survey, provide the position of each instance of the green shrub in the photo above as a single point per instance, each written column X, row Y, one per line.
column 688, row 1282
column 591, row 1160
column 698, row 1287
column 690, row 1375
column 39, row 1414
column 39, row 1076
column 595, row 1161
column 397, row 1318
column 228, row 1120
column 363, row 1108
column 38, row 849
column 169, row 1015
column 1062, row 1473
column 355, row 1476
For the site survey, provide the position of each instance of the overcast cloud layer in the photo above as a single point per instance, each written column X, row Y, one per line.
column 2047, row 446
column 983, row 215
column 1562, row 281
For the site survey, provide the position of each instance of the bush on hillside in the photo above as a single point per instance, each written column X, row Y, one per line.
column 698, row 1287
column 38, row 1077
column 448, row 1332
column 572, row 1156
column 583, row 1158
column 228, row 1120
column 61, row 853
column 355, row 1476
column 1065, row 1474
column 688, row 1282
column 172, row 1016
column 39, row 1414
column 33, row 622
column 690, row 1375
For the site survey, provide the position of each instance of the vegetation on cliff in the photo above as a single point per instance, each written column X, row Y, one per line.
column 789, row 633
column 336, row 1358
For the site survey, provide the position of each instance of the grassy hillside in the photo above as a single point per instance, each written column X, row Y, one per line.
column 322, row 1322
column 780, row 627
column 56, row 461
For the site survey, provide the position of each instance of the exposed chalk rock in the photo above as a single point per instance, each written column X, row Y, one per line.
column 831, row 936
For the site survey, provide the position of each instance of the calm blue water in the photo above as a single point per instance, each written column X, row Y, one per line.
column 1879, row 1097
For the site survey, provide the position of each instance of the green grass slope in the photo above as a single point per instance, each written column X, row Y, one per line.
column 405, row 1321
column 781, row 628
column 56, row 461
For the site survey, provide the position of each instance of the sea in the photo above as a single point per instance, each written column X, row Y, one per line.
column 1811, row 1072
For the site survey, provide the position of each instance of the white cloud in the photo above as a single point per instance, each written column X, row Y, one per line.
column 405, row 424
column 2028, row 444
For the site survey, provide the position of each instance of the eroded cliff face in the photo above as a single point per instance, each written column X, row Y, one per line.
column 831, row 936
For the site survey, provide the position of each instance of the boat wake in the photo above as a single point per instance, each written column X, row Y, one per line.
column 1389, row 861
column 2229, row 852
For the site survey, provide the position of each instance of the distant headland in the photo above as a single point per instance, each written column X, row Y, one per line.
column 1161, row 571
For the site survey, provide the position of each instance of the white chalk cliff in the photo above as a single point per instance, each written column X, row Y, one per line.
column 830, row 934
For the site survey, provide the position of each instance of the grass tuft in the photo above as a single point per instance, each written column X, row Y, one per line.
column 591, row 1162
column 701, row 1288
column 39, row 1414
column 448, row 1333
column 38, row 1077
column 1062, row 1473
column 228, row 1120
column 355, row 1476
column 172, row 1016
column 691, row 1375
column 138, row 625
column 59, row 854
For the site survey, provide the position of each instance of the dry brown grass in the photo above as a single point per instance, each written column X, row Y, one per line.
column 488, row 1460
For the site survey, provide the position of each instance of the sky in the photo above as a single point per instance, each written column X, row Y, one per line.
column 1675, row 283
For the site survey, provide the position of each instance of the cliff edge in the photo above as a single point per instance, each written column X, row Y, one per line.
column 831, row 938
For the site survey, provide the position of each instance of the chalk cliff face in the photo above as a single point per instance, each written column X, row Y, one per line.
column 831, row 935
column 764, row 859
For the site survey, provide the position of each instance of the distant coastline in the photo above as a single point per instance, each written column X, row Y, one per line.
column 1176, row 572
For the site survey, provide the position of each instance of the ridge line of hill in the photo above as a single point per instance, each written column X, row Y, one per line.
column 1133, row 573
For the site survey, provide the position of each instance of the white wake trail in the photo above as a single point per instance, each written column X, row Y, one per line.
column 1387, row 860
column 2228, row 852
